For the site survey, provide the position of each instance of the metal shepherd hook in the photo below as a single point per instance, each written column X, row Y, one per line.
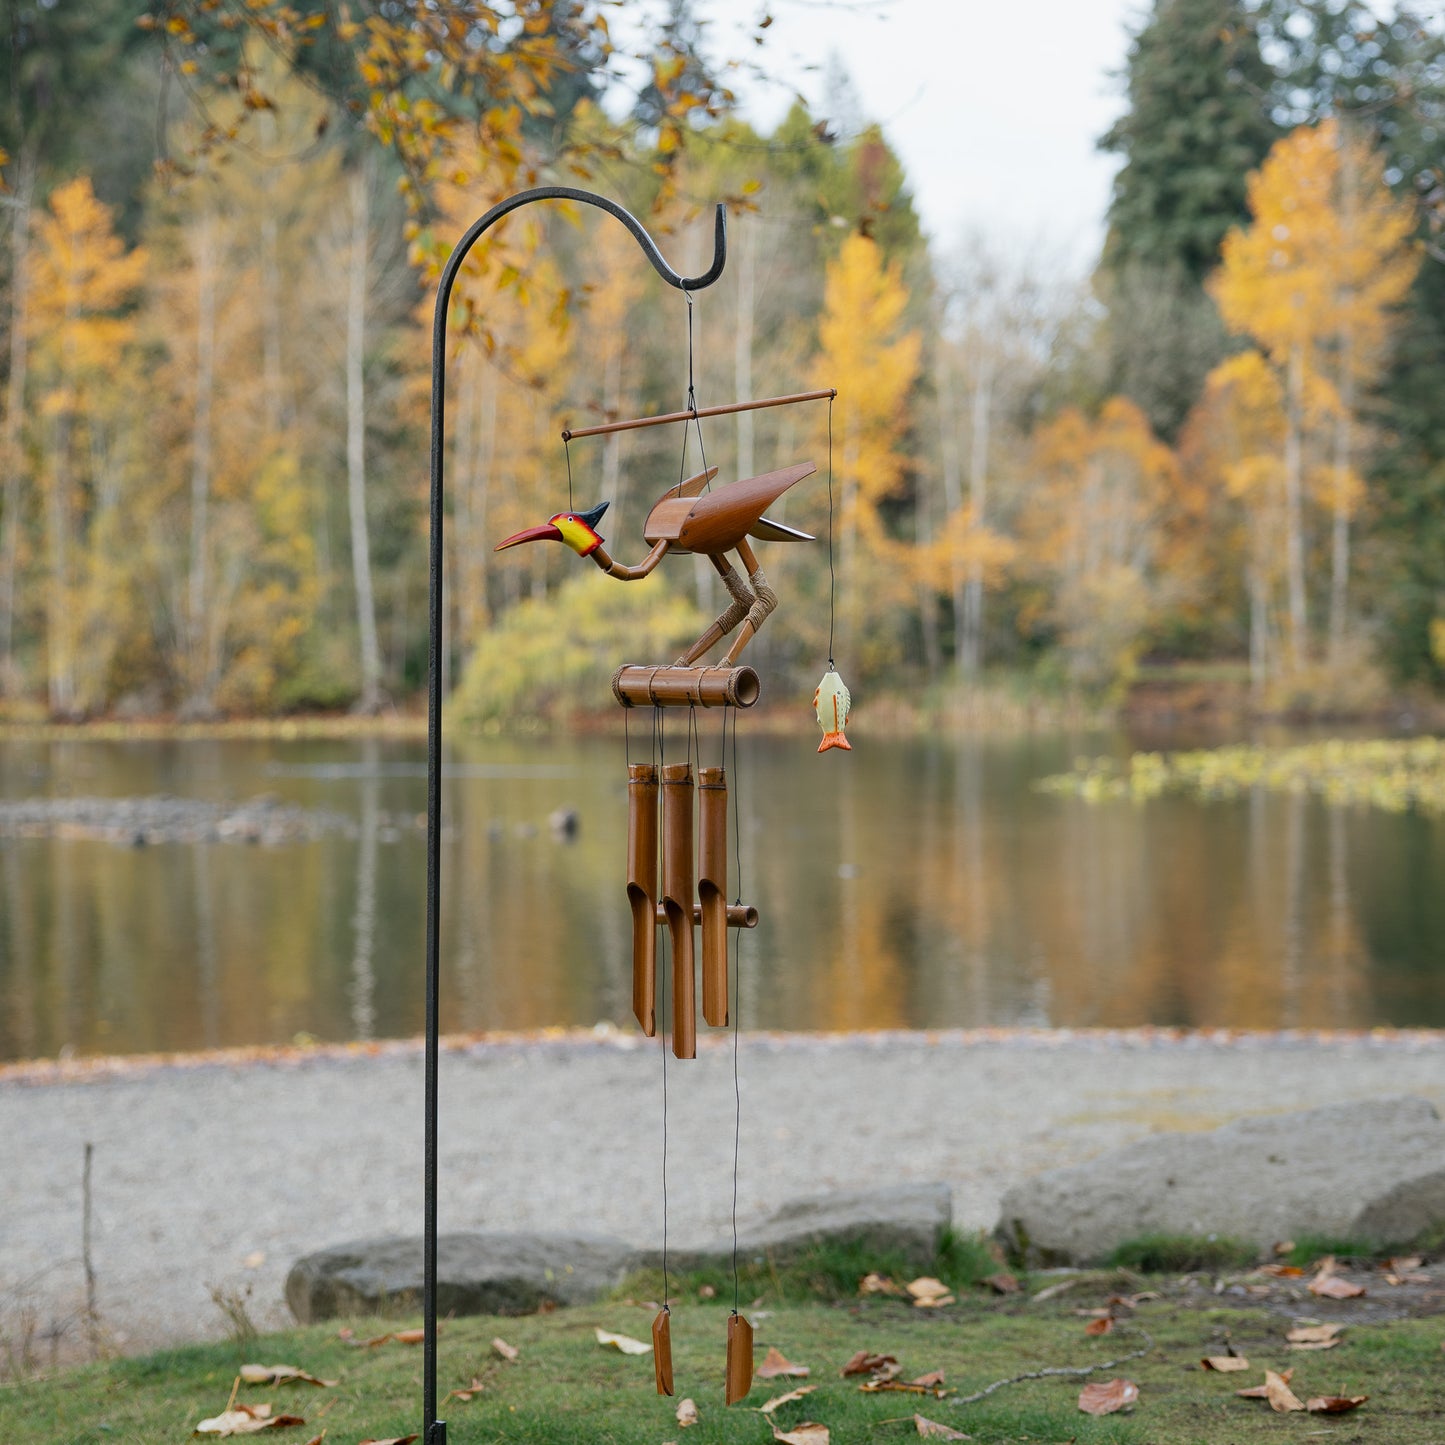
column 434, row 1431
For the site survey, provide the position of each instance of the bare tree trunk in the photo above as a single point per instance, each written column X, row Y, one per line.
column 1294, row 512
column 978, row 501
column 747, row 250
column 1340, row 539
column 370, row 699
column 952, row 493
column 10, row 455
column 200, row 665
column 1258, row 629
column 57, row 592
column 927, row 600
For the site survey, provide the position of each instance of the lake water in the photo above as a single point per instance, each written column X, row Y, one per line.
column 919, row 883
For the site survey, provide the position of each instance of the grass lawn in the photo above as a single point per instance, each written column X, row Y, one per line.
column 565, row 1387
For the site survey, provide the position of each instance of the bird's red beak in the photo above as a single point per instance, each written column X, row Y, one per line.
column 533, row 534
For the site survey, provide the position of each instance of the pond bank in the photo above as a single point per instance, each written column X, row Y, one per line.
column 220, row 1170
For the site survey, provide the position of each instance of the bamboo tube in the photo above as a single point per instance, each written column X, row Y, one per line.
column 662, row 1351
column 740, row 1358
column 642, row 890
column 712, row 892
column 677, row 902
column 607, row 427
column 635, row 686
column 740, row 915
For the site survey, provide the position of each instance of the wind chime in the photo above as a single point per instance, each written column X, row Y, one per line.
column 677, row 814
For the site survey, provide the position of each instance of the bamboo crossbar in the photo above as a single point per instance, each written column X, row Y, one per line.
column 605, row 428
column 739, row 915
column 639, row 686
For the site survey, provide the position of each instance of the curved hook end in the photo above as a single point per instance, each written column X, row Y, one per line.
column 719, row 253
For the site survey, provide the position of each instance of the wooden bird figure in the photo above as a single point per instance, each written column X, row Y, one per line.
column 686, row 518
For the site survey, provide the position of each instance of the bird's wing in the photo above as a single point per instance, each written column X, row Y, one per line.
column 691, row 487
column 767, row 530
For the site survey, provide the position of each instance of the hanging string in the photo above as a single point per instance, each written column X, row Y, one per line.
column 832, row 580
column 567, row 449
column 737, row 949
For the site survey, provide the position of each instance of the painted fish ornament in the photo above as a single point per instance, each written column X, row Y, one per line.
column 832, row 703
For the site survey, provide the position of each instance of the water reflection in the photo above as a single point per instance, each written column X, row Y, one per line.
column 906, row 885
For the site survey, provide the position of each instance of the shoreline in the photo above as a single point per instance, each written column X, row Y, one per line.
column 219, row 1171
column 95, row 1068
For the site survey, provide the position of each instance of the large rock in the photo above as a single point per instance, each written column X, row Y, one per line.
column 906, row 1221
column 502, row 1274
column 1371, row 1171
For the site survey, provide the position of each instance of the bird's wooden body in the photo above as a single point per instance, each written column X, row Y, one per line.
column 717, row 521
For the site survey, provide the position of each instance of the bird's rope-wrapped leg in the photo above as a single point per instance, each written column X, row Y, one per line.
column 712, row 889
column 678, row 881
column 758, row 613
column 743, row 601
column 642, row 890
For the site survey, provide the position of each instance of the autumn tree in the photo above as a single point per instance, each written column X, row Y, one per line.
column 867, row 355
column 1093, row 535
column 1312, row 281
column 84, row 279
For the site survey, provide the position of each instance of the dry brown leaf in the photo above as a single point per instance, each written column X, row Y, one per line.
column 280, row 1375
column 1314, row 1334
column 1003, row 1283
column 1415, row 1276
column 1100, row 1326
column 787, row 1399
column 1276, row 1390
column 774, row 1364
column 412, row 1337
column 625, row 1343
column 246, row 1420
column 686, row 1413
column 864, row 1363
column 1103, row 1397
column 934, row 1431
column 933, row 1380
column 1331, row 1286
column 810, row 1432
column 1335, row 1404
column 469, row 1392
column 880, row 1284
column 1280, row 1271
column 1402, row 1264
column 929, row 1293
column 506, row 1351
column 1224, row 1363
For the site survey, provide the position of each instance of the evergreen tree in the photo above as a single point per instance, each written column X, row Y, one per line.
column 1195, row 127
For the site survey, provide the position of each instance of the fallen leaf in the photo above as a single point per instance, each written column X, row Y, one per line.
column 934, row 1431
column 1001, row 1283
column 1280, row 1271
column 1100, row 1326
column 280, row 1375
column 929, row 1293
column 933, row 1380
column 1284, row 1246
column 625, row 1343
column 787, row 1399
column 506, row 1351
column 246, row 1420
column 774, row 1364
column 686, row 1413
column 1224, row 1363
column 1276, row 1390
column 1413, row 1277
column 1314, row 1337
column 1402, row 1264
column 1106, row 1396
column 411, row 1337
column 879, row 1284
column 468, row 1393
column 1335, row 1404
column 1331, row 1286
column 864, row 1363
column 808, row 1433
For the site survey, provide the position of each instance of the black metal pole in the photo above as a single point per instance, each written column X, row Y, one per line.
column 434, row 1431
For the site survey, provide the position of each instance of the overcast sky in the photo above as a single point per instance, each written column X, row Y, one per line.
column 994, row 107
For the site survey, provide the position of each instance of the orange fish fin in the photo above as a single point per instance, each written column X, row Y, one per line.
column 834, row 740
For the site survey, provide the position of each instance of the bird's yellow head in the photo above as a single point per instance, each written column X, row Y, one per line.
column 577, row 529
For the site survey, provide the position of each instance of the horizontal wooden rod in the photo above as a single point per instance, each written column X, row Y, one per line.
column 569, row 434
column 740, row 915
column 634, row 685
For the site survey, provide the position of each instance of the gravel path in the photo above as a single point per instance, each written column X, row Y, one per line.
column 222, row 1170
